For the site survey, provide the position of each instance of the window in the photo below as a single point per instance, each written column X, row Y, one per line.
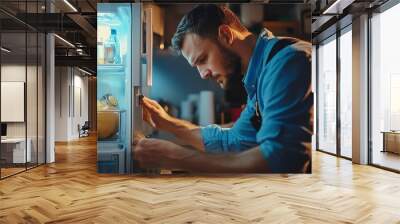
column 327, row 95
column 346, row 92
column 385, row 89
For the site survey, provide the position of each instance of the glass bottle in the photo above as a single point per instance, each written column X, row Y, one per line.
column 114, row 37
column 112, row 49
column 100, row 51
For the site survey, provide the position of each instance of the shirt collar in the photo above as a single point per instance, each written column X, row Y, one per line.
column 256, row 63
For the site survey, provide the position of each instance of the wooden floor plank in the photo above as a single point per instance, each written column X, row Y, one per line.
column 70, row 191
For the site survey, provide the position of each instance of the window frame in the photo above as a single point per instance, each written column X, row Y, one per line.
column 378, row 10
column 347, row 27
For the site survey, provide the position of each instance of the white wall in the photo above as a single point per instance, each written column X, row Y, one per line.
column 14, row 73
column 70, row 83
column 79, row 117
column 33, row 126
column 61, row 103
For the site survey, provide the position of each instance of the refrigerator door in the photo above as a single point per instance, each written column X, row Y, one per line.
column 149, row 47
column 114, row 92
column 124, row 64
column 142, row 62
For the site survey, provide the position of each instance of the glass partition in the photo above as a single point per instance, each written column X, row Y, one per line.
column 14, row 152
column 22, row 67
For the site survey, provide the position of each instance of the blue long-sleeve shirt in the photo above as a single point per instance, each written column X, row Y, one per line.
column 282, row 87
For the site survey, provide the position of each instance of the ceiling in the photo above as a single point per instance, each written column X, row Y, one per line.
column 72, row 20
column 77, row 24
column 330, row 15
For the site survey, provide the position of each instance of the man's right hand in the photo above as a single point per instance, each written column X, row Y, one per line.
column 155, row 115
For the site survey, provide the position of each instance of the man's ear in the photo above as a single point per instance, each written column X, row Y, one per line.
column 225, row 34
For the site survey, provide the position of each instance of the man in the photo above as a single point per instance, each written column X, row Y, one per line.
column 273, row 132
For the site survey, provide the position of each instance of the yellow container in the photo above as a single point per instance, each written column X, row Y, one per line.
column 107, row 124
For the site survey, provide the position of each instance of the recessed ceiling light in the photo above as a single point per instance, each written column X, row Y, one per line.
column 337, row 7
column 70, row 5
column 84, row 71
column 5, row 50
column 64, row 40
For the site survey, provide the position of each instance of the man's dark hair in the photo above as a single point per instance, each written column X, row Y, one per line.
column 204, row 20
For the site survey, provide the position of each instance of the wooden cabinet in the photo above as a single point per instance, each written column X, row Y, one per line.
column 391, row 142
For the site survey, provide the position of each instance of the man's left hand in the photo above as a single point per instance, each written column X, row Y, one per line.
column 156, row 153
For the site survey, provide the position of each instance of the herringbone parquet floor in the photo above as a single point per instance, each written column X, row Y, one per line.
column 70, row 191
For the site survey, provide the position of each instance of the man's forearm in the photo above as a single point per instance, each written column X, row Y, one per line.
column 250, row 161
column 187, row 132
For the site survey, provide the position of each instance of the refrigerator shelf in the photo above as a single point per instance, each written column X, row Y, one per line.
column 111, row 68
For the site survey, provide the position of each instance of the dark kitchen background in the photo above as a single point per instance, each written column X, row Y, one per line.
column 176, row 83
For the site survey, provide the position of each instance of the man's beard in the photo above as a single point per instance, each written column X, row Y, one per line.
column 235, row 93
column 233, row 64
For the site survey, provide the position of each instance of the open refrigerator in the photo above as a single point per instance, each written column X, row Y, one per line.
column 124, row 72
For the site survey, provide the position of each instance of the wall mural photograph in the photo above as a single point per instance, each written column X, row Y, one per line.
column 204, row 88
